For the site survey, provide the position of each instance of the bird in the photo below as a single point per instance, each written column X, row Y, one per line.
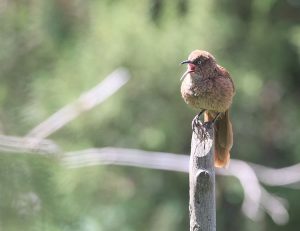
column 208, row 88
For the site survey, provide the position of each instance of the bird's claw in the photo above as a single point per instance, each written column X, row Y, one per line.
column 201, row 129
column 208, row 125
column 196, row 123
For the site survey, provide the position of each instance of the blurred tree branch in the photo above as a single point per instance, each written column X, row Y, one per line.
column 85, row 102
column 288, row 176
column 13, row 144
column 256, row 198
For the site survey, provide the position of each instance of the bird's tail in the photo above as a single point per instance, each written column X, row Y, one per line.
column 223, row 137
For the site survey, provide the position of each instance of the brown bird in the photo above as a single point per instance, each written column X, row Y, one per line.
column 208, row 87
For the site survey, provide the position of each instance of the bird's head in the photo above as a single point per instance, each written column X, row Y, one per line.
column 199, row 62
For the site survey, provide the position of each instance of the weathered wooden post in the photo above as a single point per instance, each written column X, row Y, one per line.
column 202, row 183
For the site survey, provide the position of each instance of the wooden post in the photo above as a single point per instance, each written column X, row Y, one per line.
column 202, row 183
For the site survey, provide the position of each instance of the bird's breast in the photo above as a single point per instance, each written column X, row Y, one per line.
column 207, row 93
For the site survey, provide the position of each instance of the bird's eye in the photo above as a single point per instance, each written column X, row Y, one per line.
column 199, row 62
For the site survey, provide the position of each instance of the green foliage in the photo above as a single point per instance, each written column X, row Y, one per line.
column 52, row 51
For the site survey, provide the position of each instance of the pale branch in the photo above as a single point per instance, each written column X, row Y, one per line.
column 275, row 206
column 13, row 144
column 250, row 185
column 127, row 157
column 287, row 176
column 165, row 161
column 85, row 102
column 256, row 198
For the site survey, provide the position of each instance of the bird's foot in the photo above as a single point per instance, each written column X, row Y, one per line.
column 208, row 125
column 196, row 123
column 201, row 129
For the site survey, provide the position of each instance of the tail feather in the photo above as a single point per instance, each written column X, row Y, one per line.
column 223, row 138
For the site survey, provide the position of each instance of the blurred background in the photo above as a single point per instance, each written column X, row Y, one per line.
column 53, row 51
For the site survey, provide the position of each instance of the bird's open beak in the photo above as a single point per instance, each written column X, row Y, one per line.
column 186, row 61
column 188, row 71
